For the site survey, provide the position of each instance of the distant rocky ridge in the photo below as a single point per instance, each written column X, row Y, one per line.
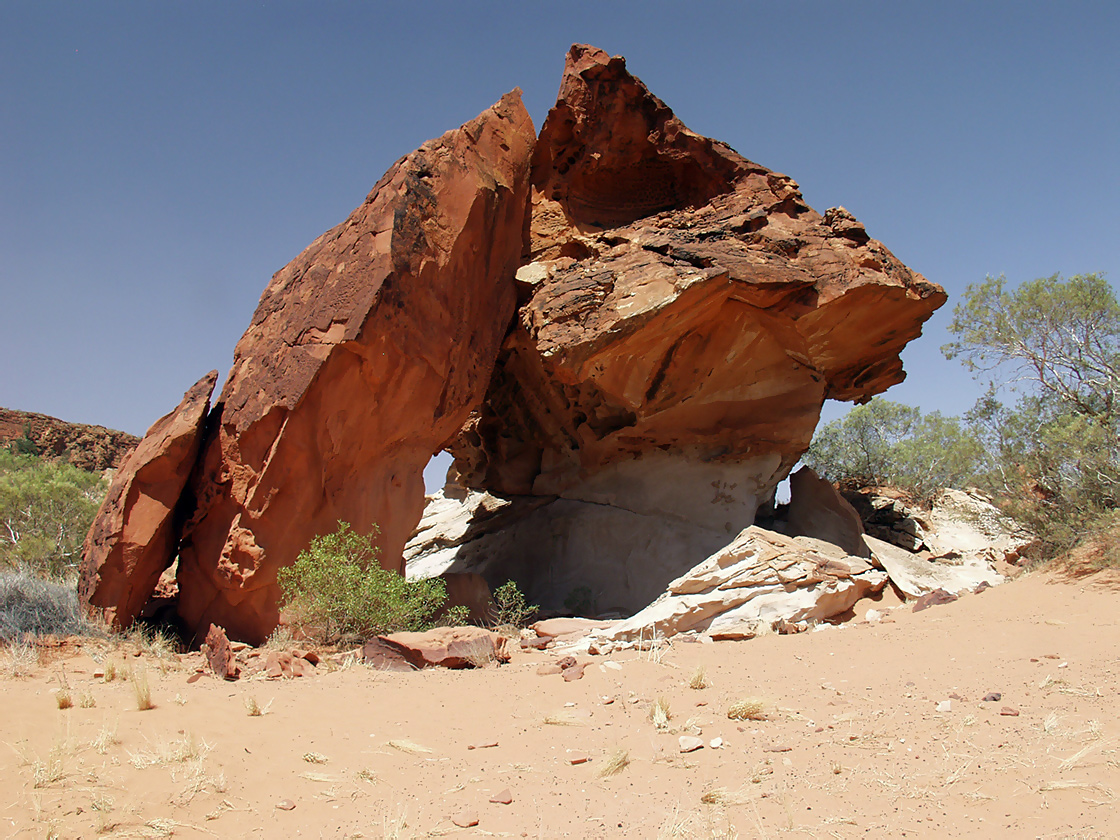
column 93, row 448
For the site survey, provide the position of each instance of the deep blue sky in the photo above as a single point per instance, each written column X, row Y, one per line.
column 160, row 160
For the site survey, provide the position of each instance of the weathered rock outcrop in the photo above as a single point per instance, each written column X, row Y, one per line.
column 366, row 353
column 93, row 448
column 681, row 315
column 761, row 579
column 135, row 534
column 684, row 314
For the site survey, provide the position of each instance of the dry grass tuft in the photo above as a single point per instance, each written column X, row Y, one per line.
column 563, row 718
column 20, row 660
column 63, row 696
column 749, row 708
column 280, row 639
column 617, row 761
column 393, row 826
column 724, row 798
column 408, row 747
column 159, row 828
column 660, row 713
column 199, row 781
column 105, row 739
column 142, row 689
column 1075, row 785
column 50, row 771
column 314, row 758
column 1075, row 759
column 254, row 709
column 699, row 679
column 179, row 751
column 366, row 775
column 676, row 825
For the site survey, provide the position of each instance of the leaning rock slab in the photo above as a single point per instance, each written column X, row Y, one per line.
column 134, row 537
column 365, row 355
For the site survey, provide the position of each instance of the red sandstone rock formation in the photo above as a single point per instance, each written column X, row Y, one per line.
column 684, row 315
column 681, row 299
column 134, row 537
column 366, row 353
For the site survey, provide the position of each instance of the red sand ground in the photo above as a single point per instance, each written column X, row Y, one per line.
column 852, row 744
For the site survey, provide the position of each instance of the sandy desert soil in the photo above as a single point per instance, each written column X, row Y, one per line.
column 872, row 729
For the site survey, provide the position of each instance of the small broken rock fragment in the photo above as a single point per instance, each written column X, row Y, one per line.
column 286, row 805
column 482, row 745
column 992, row 697
column 934, row 599
column 505, row 797
column 465, row 819
column 690, row 743
column 1009, row 712
column 577, row 757
column 573, row 672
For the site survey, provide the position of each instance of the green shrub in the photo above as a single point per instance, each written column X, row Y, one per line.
column 46, row 508
column 337, row 589
column 509, row 606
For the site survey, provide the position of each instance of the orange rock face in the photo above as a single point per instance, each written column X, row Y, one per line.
column 134, row 536
column 683, row 316
column 680, row 299
column 366, row 353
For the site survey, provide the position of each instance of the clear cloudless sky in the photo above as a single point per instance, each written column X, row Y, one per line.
column 159, row 161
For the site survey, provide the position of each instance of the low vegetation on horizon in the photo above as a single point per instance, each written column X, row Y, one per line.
column 1049, row 456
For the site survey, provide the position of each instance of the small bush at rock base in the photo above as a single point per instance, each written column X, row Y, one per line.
column 510, row 608
column 337, row 589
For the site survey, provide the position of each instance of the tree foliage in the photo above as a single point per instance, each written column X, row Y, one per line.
column 1060, row 339
column 1054, row 344
column 46, row 508
column 337, row 589
column 884, row 442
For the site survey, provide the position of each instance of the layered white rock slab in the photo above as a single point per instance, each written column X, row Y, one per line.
column 761, row 578
column 917, row 574
column 966, row 524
